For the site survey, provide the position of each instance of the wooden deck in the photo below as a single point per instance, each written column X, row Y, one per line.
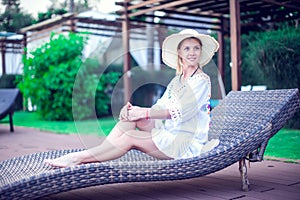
column 268, row 179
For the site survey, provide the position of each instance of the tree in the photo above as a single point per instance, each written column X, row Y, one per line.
column 11, row 3
column 60, row 8
column 12, row 20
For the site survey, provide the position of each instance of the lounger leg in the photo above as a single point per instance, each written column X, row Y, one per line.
column 11, row 122
column 244, row 176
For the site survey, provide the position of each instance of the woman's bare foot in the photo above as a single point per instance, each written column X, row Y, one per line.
column 68, row 160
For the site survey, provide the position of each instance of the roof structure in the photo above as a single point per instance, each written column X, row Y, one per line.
column 226, row 17
column 252, row 13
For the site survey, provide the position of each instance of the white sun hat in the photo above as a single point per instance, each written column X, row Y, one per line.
column 170, row 44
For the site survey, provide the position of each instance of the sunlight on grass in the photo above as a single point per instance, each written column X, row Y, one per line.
column 88, row 127
column 285, row 144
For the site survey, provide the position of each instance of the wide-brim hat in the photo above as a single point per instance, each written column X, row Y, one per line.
column 170, row 44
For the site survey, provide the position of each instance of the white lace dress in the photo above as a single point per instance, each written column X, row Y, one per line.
column 184, row 135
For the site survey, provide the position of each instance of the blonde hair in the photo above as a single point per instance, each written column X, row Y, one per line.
column 179, row 61
column 179, row 66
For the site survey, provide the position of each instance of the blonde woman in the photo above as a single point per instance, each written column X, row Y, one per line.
column 177, row 125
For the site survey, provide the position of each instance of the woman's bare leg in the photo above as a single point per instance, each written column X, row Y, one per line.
column 123, row 126
column 116, row 148
column 120, row 128
column 145, row 125
column 122, row 138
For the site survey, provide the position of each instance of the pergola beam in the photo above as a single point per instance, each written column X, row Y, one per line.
column 138, row 5
column 216, row 28
column 142, row 4
column 282, row 4
column 204, row 14
column 215, row 23
column 160, row 7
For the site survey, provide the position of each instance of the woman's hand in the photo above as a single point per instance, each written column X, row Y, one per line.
column 136, row 113
column 132, row 113
column 123, row 116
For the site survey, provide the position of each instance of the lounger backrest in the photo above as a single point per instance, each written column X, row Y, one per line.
column 242, row 114
column 7, row 100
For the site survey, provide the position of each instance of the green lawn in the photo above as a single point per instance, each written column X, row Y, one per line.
column 285, row 144
column 91, row 127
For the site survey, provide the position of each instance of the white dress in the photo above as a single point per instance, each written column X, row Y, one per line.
column 184, row 135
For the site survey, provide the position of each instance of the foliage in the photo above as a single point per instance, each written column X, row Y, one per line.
column 60, row 85
column 12, row 20
column 104, row 92
column 9, row 80
column 268, row 58
column 49, row 74
column 11, row 2
column 42, row 16
column 272, row 58
column 81, row 6
column 93, row 89
column 60, row 8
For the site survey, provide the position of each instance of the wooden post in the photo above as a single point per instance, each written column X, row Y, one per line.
column 221, row 52
column 235, row 32
column 25, row 43
column 150, row 44
column 126, row 66
column 3, row 49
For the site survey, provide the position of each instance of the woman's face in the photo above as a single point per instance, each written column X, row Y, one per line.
column 190, row 52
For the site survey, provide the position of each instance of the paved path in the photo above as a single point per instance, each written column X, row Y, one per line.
column 268, row 179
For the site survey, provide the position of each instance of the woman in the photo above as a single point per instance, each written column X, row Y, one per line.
column 177, row 125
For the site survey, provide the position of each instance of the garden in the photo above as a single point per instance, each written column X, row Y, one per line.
column 54, row 72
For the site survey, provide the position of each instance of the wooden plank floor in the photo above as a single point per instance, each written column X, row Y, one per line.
column 268, row 179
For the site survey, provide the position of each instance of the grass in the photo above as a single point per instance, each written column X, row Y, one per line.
column 87, row 127
column 285, row 144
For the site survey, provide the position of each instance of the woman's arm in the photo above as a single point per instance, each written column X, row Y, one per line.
column 195, row 96
column 138, row 113
column 159, row 114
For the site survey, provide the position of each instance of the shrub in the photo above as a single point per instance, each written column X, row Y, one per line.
column 273, row 58
column 50, row 74
column 9, row 80
column 92, row 90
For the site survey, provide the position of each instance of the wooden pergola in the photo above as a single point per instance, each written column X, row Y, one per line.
column 230, row 17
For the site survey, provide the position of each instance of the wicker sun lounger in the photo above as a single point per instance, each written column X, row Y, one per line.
column 7, row 104
column 243, row 121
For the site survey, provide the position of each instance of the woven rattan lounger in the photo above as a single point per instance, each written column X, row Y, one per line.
column 243, row 121
column 7, row 104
